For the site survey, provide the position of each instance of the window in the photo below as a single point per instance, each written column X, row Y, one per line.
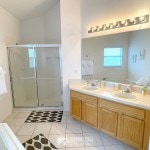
column 113, row 57
column 31, row 55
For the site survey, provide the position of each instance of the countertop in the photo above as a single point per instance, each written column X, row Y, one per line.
column 106, row 93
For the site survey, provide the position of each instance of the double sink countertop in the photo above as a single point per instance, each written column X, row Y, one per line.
column 143, row 101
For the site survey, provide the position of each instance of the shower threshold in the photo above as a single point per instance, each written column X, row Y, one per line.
column 38, row 108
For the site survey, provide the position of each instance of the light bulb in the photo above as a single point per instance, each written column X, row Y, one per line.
column 107, row 25
column 104, row 27
column 126, row 23
column 142, row 18
column 115, row 24
column 111, row 25
column 133, row 21
column 123, row 22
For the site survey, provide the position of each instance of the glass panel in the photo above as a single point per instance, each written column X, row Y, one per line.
column 21, row 62
column 22, row 66
column 49, row 92
column 48, row 76
column 48, row 63
column 112, row 51
column 25, row 92
column 112, row 61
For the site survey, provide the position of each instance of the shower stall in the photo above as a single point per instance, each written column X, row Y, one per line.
column 35, row 75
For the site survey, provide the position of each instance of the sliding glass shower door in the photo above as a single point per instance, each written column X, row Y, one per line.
column 48, row 76
column 23, row 76
column 35, row 76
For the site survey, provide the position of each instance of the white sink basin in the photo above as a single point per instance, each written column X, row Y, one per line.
column 90, row 87
column 120, row 94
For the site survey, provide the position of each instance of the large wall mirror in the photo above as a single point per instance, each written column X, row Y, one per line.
column 122, row 57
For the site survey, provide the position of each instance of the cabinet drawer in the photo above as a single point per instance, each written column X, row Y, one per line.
column 76, row 94
column 122, row 108
column 89, row 99
column 84, row 97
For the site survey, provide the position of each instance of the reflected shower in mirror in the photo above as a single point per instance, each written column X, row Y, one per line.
column 122, row 57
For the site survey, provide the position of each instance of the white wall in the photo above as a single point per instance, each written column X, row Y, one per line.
column 139, row 40
column 94, row 49
column 100, row 12
column 42, row 29
column 9, row 34
column 71, row 44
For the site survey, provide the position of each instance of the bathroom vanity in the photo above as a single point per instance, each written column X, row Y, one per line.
column 127, row 120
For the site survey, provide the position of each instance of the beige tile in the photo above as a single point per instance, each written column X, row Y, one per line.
column 44, row 123
column 58, row 128
column 68, row 113
column 41, row 128
column 92, row 139
column 127, row 147
column 115, row 147
column 17, row 121
column 23, row 139
column 13, row 114
column 73, row 128
column 8, row 120
column 26, row 130
column 70, row 120
column 74, row 140
column 23, row 114
column 95, row 148
column 58, row 140
column 80, row 148
column 88, row 129
column 15, row 128
column 46, row 135
column 65, row 113
column 30, row 123
column 64, row 119
column 107, row 140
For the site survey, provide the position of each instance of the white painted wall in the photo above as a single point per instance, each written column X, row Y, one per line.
column 94, row 49
column 139, row 40
column 100, row 12
column 42, row 29
column 71, row 44
column 9, row 34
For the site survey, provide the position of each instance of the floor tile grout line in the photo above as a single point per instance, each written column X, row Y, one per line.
column 67, row 121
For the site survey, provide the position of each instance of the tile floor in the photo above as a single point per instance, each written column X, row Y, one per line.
column 69, row 134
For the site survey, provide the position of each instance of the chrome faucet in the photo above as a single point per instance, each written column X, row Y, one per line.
column 127, row 90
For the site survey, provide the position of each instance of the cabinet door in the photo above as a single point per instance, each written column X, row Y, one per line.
column 132, row 130
column 76, row 108
column 107, row 121
column 89, row 114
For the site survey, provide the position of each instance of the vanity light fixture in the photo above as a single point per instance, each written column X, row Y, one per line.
column 119, row 24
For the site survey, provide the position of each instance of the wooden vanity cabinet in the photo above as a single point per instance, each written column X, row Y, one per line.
column 89, row 113
column 124, row 122
column 76, row 105
column 107, row 121
column 132, row 130
column 84, row 107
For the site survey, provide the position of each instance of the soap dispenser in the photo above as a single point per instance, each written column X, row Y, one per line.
column 144, row 89
column 117, row 86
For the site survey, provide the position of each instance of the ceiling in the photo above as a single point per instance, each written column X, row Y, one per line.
column 25, row 9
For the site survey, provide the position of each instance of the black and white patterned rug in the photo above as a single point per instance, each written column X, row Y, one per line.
column 39, row 142
column 44, row 116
